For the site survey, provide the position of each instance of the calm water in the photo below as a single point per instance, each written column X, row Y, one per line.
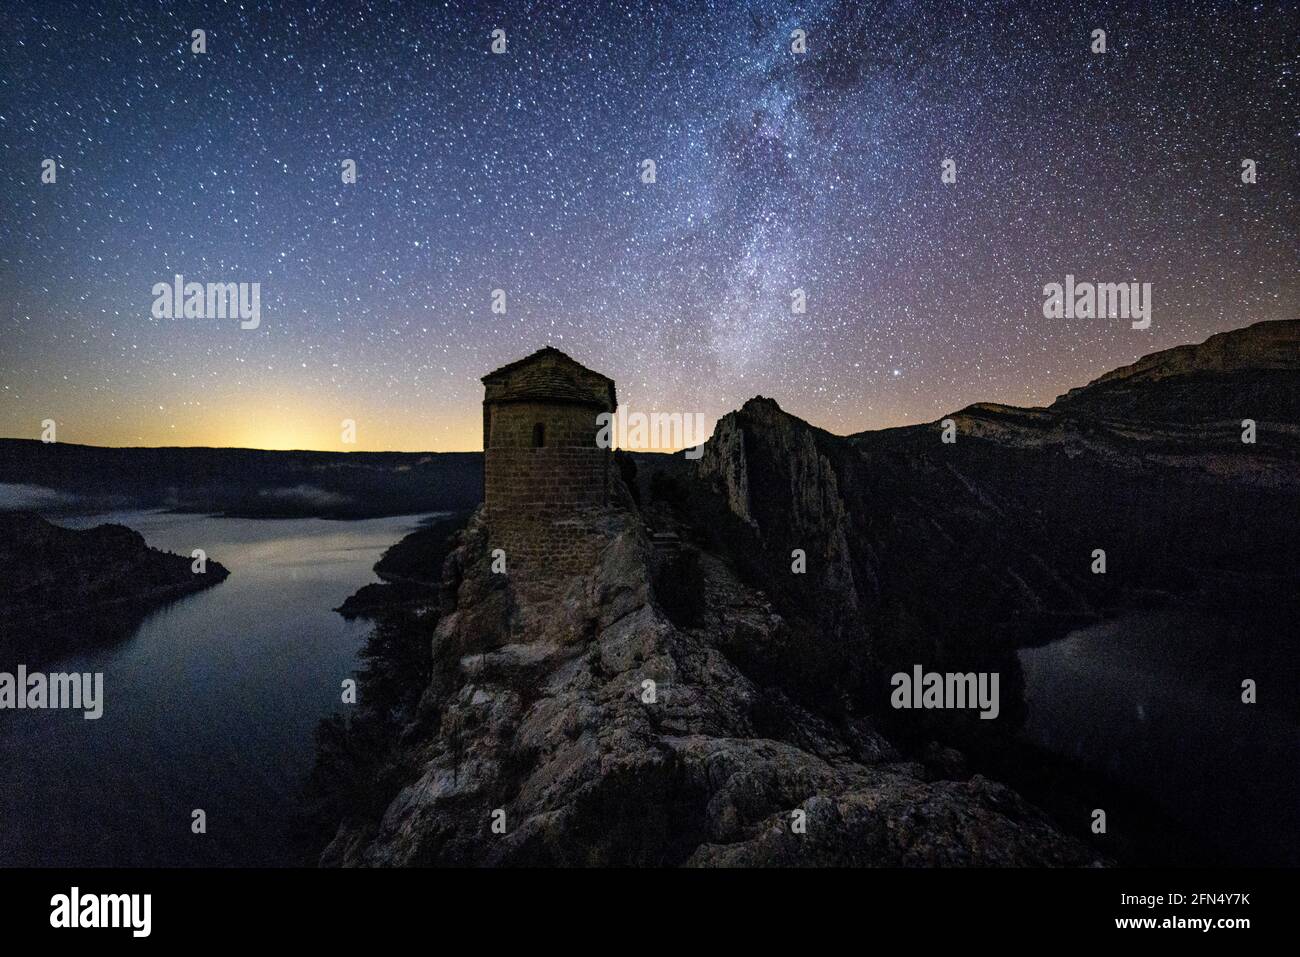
column 1154, row 701
column 214, row 701
column 212, row 704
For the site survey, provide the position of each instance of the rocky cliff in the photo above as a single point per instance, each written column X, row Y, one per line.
column 986, row 542
column 698, row 692
column 547, row 716
column 1245, row 373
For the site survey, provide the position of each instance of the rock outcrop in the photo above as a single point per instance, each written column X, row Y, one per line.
column 703, row 688
column 595, row 731
column 1246, row 373
column 60, row 583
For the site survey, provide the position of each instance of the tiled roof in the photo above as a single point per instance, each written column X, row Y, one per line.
column 549, row 374
column 541, row 353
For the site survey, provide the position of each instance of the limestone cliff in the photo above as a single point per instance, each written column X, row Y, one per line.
column 541, row 709
column 680, row 699
column 1244, row 373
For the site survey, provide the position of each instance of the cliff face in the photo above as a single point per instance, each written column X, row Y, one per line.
column 1245, row 373
column 962, row 552
column 770, row 679
column 542, row 709
column 913, row 547
column 793, row 487
column 1262, row 346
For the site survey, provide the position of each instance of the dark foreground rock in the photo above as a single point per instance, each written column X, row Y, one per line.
column 538, row 706
column 410, row 572
column 64, row 587
column 701, row 704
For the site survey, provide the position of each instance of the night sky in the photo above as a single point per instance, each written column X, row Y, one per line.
column 521, row 171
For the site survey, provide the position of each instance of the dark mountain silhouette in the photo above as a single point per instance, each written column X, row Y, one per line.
column 987, row 542
column 95, row 584
column 247, row 482
column 1245, row 373
column 772, row 685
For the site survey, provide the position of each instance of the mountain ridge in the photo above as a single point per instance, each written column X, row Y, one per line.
column 1261, row 345
column 775, row 679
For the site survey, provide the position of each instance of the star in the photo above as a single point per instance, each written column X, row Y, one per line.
column 522, row 171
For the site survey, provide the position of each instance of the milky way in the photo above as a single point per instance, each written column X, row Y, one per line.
column 775, row 171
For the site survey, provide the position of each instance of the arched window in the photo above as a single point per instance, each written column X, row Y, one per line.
column 539, row 435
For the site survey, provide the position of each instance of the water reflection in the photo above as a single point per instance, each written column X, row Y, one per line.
column 211, row 703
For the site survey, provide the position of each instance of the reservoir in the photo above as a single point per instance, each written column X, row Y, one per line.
column 211, row 704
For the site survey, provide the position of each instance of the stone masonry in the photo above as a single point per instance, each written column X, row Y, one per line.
column 545, row 481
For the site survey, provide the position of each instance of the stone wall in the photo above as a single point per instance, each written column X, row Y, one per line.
column 511, row 424
column 542, row 504
column 535, row 503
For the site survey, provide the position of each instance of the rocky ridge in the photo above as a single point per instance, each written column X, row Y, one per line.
column 543, row 713
column 769, row 687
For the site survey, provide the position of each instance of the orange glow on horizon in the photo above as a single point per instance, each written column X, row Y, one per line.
column 272, row 427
